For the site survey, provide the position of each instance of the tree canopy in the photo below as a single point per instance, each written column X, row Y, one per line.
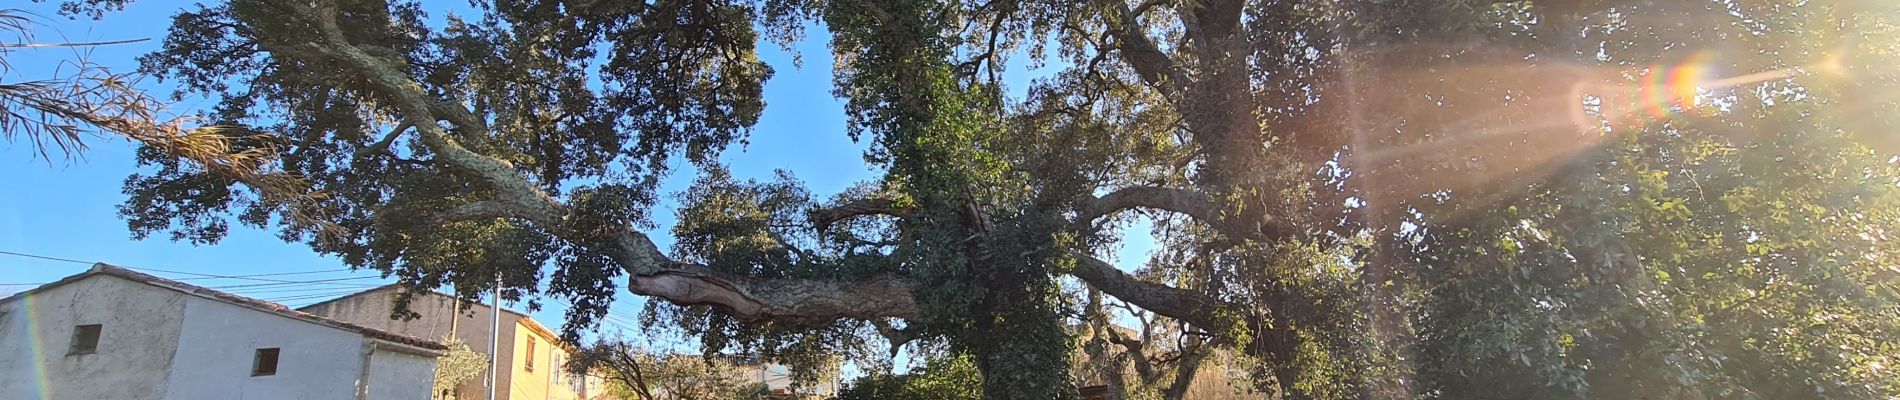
column 1364, row 198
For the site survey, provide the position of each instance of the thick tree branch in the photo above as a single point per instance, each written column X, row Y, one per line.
column 793, row 301
column 1271, row 340
column 1182, row 201
column 1189, row 203
column 1141, row 53
column 651, row 273
column 1181, row 304
column 822, row 218
column 1164, row 300
column 476, row 211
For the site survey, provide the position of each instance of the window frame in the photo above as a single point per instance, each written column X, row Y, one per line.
column 529, row 364
column 258, row 364
column 87, row 334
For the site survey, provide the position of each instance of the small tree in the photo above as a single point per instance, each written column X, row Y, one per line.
column 457, row 367
column 671, row 376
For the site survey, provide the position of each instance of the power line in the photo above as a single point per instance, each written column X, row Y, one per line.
column 44, row 257
column 197, row 276
column 243, row 277
column 308, row 296
column 305, row 297
column 608, row 318
column 294, row 290
column 610, row 310
column 70, row 44
column 275, row 285
column 299, row 283
column 275, row 274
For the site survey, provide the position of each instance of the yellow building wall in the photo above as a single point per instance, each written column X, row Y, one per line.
column 538, row 383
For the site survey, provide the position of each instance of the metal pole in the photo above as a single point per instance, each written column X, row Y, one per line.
column 494, row 344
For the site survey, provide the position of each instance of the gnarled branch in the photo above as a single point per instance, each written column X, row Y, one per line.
column 1141, row 53
column 796, row 301
column 822, row 218
column 793, row 301
column 1193, row 308
column 1186, row 202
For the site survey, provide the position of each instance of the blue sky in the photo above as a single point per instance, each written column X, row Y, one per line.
column 66, row 208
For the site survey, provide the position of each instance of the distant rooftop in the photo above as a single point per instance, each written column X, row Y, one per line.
column 533, row 324
column 241, row 301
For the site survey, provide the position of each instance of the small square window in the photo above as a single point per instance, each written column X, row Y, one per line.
column 85, row 339
column 265, row 362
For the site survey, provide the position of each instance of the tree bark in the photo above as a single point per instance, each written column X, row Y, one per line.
column 651, row 273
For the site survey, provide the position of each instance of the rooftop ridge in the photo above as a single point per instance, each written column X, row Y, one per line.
column 241, row 301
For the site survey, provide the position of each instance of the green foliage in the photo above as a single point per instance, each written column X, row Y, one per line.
column 1726, row 253
column 953, row 377
column 1383, row 199
column 755, row 228
column 592, row 106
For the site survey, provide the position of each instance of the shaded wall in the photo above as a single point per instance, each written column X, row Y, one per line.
column 219, row 342
column 438, row 315
column 139, row 332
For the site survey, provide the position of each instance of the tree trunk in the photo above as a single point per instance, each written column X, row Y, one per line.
column 1016, row 333
column 1019, row 344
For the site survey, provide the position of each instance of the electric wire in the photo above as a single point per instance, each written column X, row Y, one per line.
column 308, row 296
column 273, row 283
column 300, row 283
column 254, row 293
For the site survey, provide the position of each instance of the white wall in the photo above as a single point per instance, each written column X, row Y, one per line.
column 219, row 339
column 158, row 343
column 139, row 330
column 398, row 375
column 371, row 309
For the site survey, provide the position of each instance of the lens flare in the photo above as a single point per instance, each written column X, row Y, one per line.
column 1676, row 90
column 1515, row 122
column 1835, row 64
column 37, row 344
column 1676, row 87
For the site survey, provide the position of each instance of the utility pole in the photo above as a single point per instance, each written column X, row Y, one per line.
column 455, row 317
column 494, row 344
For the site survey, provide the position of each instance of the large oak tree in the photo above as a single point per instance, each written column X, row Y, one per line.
column 1381, row 199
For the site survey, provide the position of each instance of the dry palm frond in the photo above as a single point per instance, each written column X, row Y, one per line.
column 35, row 110
column 111, row 104
column 61, row 111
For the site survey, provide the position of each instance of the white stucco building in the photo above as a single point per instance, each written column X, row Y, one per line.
column 112, row 333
